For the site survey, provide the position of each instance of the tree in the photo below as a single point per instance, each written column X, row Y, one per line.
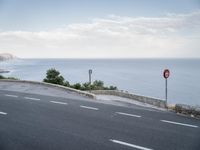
column 53, row 76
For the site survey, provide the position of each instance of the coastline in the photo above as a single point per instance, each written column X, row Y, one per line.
column 143, row 77
column 4, row 71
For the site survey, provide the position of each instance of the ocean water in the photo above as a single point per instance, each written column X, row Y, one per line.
column 140, row 76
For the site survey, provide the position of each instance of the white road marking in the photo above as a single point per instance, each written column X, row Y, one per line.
column 56, row 102
column 8, row 95
column 3, row 113
column 131, row 115
column 87, row 107
column 178, row 123
column 30, row 98
column 130, row 145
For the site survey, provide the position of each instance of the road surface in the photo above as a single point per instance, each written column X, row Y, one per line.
column 39, row 122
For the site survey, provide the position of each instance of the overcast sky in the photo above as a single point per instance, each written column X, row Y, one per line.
column 100, row 28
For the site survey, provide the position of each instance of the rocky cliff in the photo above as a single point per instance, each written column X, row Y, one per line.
column 6, row 56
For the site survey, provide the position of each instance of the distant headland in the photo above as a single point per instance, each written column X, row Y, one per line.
column 6, row 56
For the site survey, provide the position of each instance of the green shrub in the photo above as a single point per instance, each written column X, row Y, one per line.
column 86, row 86
column 2, row 77
column 12, row 78
column 112, row 88
column 67, row 84
column 77, row 86
column 98, row 83
column 53, row 76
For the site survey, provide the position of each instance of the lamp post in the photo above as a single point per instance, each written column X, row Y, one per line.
column 90, row 76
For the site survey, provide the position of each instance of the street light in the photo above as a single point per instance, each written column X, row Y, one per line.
column 90, row 76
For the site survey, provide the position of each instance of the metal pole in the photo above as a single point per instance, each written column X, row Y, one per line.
column 166, row 90
column 90, row 78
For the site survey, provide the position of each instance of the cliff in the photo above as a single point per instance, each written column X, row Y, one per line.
column 6, row 56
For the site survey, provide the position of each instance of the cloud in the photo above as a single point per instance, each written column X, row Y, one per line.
column 173, row 35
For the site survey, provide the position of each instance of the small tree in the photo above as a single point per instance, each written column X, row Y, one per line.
column 53, row 76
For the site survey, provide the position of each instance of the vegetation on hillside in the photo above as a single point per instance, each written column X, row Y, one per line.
column 2, row 77
column 54, row 76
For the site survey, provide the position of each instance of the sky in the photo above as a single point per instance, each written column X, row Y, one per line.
column 100, row 28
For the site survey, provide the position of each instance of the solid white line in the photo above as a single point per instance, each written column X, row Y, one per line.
column 178, row 123
column 130, row 145
column 30, row 98
column 3, row 113
column 87, row 107
column 56, row 102
column 11, row 95
column 131, row 115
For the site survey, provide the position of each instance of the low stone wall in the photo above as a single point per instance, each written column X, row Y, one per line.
column 188, row 110
column 87, row 94
column 144, row 99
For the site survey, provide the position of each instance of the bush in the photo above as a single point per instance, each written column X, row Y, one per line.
column 12, row 78
column 97, row 85
column 112, row 88
column 53, row 76
column 2, row 77
column 86, row 86
column 67, row 84
column 77, row 86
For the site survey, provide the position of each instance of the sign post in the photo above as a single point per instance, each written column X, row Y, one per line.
column 166, row 74
column 90, row 78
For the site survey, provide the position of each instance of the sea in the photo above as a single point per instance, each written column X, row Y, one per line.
column 138, row 76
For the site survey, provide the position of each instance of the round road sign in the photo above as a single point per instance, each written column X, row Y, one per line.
column 166, row 73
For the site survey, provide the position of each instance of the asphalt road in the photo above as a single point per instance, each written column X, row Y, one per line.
column 36, row 122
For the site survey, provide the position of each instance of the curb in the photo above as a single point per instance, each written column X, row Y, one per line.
column 83, row 93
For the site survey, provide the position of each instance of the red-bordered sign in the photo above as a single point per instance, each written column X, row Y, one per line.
column 166, row 73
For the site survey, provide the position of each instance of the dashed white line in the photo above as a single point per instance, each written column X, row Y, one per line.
column 131, row 115
column 87, row 107
column 8, row 95
column 3, row 113
column 178, row 123
column 56, row 102
column 30, row 98
column 130, row 145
